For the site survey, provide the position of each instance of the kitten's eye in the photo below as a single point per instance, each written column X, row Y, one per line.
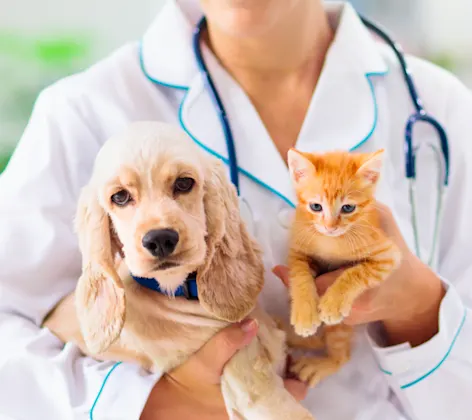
column 121, row 198
column 316, row 207
column 348, row 208
column 183, row 185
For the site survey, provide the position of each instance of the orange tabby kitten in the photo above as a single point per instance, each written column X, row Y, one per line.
column 336, row 224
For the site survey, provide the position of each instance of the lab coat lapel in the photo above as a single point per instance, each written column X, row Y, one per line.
column 343, row 113
column 166, row 54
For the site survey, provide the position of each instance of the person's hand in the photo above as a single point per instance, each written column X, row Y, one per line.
column 407, row 302
column 192, row 391
column 62, row 321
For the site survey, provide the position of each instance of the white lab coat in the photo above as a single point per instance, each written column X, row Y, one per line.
column 360, row 102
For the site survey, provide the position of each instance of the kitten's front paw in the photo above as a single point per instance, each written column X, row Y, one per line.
column 334, row 307
column 305, row 318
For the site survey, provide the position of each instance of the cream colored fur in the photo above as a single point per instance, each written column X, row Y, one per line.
column 121, row 320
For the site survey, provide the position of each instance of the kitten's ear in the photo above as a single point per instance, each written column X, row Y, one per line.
column 300, row 166
column 371, row 166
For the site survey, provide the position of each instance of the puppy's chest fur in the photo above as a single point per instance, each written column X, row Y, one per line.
column 166, row 329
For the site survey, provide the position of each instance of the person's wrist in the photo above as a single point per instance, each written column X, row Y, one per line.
column 158, row 401
column 414, row 315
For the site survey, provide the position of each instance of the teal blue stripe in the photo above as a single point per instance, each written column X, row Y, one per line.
column 387, row 372
column 408, row 385
column 148, row 76
column 376, row 108
column 101, row 388
column 443, row 359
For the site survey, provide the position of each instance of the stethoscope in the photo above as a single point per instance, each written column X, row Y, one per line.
column 419, row 115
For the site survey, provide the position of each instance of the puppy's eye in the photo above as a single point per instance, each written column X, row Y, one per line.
column 183, row 185
column 316, row 207
column 348, row 208
column 121, row 198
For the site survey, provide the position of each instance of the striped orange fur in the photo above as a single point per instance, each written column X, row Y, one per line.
column 336, row 225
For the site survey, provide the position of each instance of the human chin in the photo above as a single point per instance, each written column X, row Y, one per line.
column 244, row 18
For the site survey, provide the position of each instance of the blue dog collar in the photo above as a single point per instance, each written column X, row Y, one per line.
column 188, row 290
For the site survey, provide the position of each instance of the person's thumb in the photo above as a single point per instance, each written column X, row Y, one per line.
column 222, row 347
column 282, row 273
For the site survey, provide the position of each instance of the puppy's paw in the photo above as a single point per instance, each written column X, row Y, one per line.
column 305, row 318
column 334, row 307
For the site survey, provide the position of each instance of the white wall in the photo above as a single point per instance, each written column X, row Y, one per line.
column 438, row 30
column 437, row 25
column 447, row 28
column 447, row 25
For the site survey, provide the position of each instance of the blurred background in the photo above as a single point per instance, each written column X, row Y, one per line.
column 41, row 41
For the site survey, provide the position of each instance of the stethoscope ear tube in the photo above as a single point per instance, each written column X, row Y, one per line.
column 215, row 97
column 410, row 149
column 431, row 260
column 419, row 115
column 398, row 51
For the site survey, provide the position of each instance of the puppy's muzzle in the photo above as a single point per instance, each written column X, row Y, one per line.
column 161, row 242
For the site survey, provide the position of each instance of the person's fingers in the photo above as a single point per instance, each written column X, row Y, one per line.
column 297, row 388
column 282, row 273
column 324, row 281
column 220, row 348
column 390, row 227
column 387, row 220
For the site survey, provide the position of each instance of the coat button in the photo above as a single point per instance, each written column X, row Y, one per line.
column 285, row 217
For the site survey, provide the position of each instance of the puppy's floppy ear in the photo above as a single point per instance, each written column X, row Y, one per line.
column 233, row 274
column 99, row 295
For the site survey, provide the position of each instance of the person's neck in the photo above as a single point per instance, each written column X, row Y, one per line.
column 297, row 46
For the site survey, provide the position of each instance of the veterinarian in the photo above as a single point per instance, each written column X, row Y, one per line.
column 289, row 72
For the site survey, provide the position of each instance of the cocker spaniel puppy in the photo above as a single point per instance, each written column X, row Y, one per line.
column 161, row 209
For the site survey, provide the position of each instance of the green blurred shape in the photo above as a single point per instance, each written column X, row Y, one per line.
column 27, row 65
column 61, row 51
column 445, row 60
column 4, row 158
column 51, row 51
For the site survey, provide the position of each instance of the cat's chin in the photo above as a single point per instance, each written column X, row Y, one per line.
column 331, row 233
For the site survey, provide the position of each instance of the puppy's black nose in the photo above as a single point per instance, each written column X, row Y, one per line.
column 161, row 242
